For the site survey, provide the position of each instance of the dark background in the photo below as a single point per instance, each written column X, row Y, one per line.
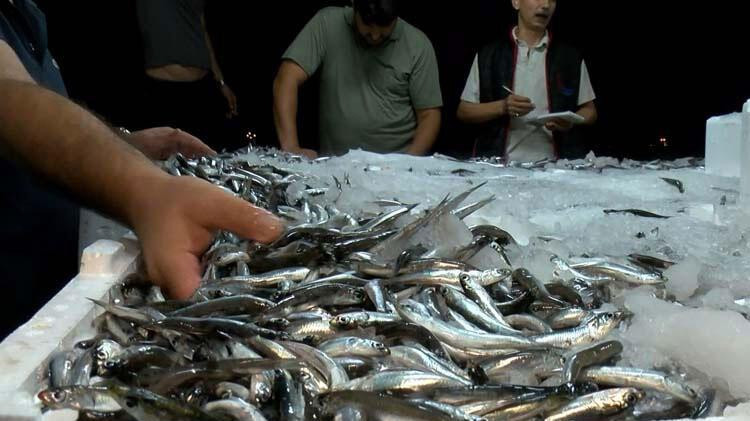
column 659, row 69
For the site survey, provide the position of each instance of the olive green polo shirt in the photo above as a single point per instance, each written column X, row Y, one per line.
column 368, row 95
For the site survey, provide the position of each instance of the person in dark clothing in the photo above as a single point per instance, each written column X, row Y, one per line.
column 39, row 226
column 516, row 80
column 179, row 63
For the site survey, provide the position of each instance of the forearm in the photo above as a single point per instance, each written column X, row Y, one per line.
column 428, row 128
column 589, row 113
column 285, row 102
column 215, row 68
column 67, row 144
column 481, row 113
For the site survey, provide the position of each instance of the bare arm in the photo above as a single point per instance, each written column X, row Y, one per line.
column 480, row 113
column 156, row 143
column 10, row 66
column 218, row 75
column 175, row 217
column 588, row 112
column 285, row 99
column 428, row 128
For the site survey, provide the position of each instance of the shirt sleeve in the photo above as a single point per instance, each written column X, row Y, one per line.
column 586, row 91
column 471, row 90
column 424, row 85
column 3, row 37
column 308, row 50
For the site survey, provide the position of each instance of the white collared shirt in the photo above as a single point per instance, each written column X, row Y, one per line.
column 527, row 142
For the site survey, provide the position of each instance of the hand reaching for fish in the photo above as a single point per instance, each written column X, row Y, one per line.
column 175, row 228
column 161, row 142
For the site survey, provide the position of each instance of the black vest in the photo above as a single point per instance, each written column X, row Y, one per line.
column 497, row 66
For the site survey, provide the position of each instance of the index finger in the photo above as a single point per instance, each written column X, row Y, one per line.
column 192, row 146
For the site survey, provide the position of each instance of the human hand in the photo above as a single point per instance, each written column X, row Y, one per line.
column 518, row 106
column 160, row 143
column 558, row 125
column 303, row 151
column 176, row 219
column 231, row 100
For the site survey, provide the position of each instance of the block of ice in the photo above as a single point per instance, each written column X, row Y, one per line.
column 683, row 278
column 714, row 342
column 723, row 135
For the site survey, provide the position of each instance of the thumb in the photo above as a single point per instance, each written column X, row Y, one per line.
column 243, row 219
column 178, row 274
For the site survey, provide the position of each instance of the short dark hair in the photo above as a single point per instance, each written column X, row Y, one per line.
column 377, row 12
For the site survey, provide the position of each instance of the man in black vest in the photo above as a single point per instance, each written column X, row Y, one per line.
column 522, row 77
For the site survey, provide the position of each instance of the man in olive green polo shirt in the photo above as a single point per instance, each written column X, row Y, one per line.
column 379, row 90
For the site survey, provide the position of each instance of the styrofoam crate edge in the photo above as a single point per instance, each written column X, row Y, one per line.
column 67, row 317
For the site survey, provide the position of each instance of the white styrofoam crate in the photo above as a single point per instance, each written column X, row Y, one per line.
column 723, row 145
column 65, row 319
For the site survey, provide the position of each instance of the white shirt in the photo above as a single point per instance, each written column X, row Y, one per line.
column 527, row 143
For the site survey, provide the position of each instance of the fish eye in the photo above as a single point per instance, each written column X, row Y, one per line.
column 631, row 398
column 131, row 402
column 59, row 395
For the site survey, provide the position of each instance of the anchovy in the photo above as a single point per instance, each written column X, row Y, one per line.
column 374, row 406
column 649, row 262
column 317, row 296
column 450, row 277
column 569, row 317
column 477, row 293
column 226, row 390
column 400, row 382
column 540, row 363
column 269, row 278
column 334, row 374
column 363, row 319
column 354, row 346
column 79, row 398
column 137, row 357
column 145, row 405
column 636, row 212
column 642, row 379
column 463, row 212
column 624, row 273
column 592, row 355
column 528, row 322
column 418, row 359
column 387, row 218
column 598, row 405
column 674, row 182
column 206, row 326
column 474, row 312
column 454, row 412
column 238, row 304
column 596, row 329
column 291, row 398
column 235, row 407
column 537, row 287
column 465, row 339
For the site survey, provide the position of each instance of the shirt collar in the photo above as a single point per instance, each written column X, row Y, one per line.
column 542, row 44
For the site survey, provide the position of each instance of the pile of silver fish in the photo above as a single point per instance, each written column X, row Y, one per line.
column 326, row 324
